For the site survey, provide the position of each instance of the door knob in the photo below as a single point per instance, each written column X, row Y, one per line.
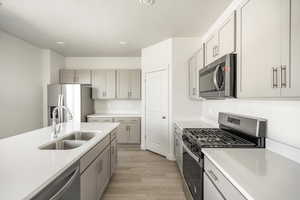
column 164, row 117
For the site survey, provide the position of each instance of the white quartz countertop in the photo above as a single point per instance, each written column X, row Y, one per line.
column 258, row 174
column 193, row 124
column 25, row 169
column 113, row 115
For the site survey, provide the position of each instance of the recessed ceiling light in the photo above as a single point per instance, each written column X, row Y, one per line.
column 147, row 2
column 60, row 43
column 123, row 43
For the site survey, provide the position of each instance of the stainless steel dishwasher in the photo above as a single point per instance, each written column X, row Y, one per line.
column 65, row 187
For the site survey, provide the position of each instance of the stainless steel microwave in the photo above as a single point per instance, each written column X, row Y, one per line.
column 218, row 79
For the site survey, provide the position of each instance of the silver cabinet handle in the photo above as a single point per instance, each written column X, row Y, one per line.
column 60, row 192
column 214, row 50
column 275, row 77
column 283, row 76
column 212, row 174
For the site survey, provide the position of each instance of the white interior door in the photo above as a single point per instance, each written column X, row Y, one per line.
column 157, row 136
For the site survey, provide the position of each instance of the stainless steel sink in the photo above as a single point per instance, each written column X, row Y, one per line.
column 72, row 141
column 80, row 136
column 62, row 145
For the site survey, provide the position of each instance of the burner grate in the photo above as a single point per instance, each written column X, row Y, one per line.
column 213, row 137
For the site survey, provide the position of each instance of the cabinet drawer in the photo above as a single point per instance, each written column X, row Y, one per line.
column 93, row 153
column 100, row 119
column 221, row 182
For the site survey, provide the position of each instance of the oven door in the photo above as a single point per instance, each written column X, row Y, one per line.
column 193, row 173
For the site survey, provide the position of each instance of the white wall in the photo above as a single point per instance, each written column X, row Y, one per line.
column 21, row 94
column 183, row 108
column 52, row 63
column 109, row 106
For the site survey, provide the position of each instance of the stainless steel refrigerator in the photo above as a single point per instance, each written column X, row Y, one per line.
column 77, row 97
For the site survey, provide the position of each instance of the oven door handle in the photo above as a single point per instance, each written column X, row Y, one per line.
column 215, row 77
column 190, row 153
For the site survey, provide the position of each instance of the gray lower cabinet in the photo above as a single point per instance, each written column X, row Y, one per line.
column 129, row 130
column 178, row 147
column 113, row 156
column 210, row 191
column 217, row 186
column 96, row 177
column 97, row 167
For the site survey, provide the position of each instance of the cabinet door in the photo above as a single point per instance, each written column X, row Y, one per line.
column 103, row 171
column 104, row 84
column 135, row 84
column 211, row 49
column 123, row 84
column 227, row 36
column 200, row 58
column 290, row 71
column 114, row 156
column 88, row 183
column 83, row 76
column 210, row 191
column 192, row 77
column 134, row 133
column 123, row 134
column 99, row 84
column 260, row 48
column 110, row 84
column 67, row 76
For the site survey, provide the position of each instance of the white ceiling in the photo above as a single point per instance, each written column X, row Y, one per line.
column 95, row 27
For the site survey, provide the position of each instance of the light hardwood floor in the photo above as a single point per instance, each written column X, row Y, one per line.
column 142, row 175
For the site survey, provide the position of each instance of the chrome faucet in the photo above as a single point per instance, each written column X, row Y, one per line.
column 57, row 126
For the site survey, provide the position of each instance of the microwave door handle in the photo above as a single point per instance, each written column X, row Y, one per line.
column 215, row 77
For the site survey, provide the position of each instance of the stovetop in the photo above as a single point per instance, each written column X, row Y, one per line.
column 215, row 138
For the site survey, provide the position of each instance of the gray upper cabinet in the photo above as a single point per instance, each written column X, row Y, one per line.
column 263, row 51
column 104, row 84
column 83, row 76
column 195, row 64
column 67, row 76
column 75, row 76
column 227, row 33
column 290, row 82
column 222, row 41
column 128, row 84
column 211, row 48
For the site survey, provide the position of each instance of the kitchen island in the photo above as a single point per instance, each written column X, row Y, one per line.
column 25, row 169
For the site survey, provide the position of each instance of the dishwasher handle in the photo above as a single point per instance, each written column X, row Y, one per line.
column 68, row 184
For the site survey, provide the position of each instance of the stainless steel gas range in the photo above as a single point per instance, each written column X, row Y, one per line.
column 235, row 131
